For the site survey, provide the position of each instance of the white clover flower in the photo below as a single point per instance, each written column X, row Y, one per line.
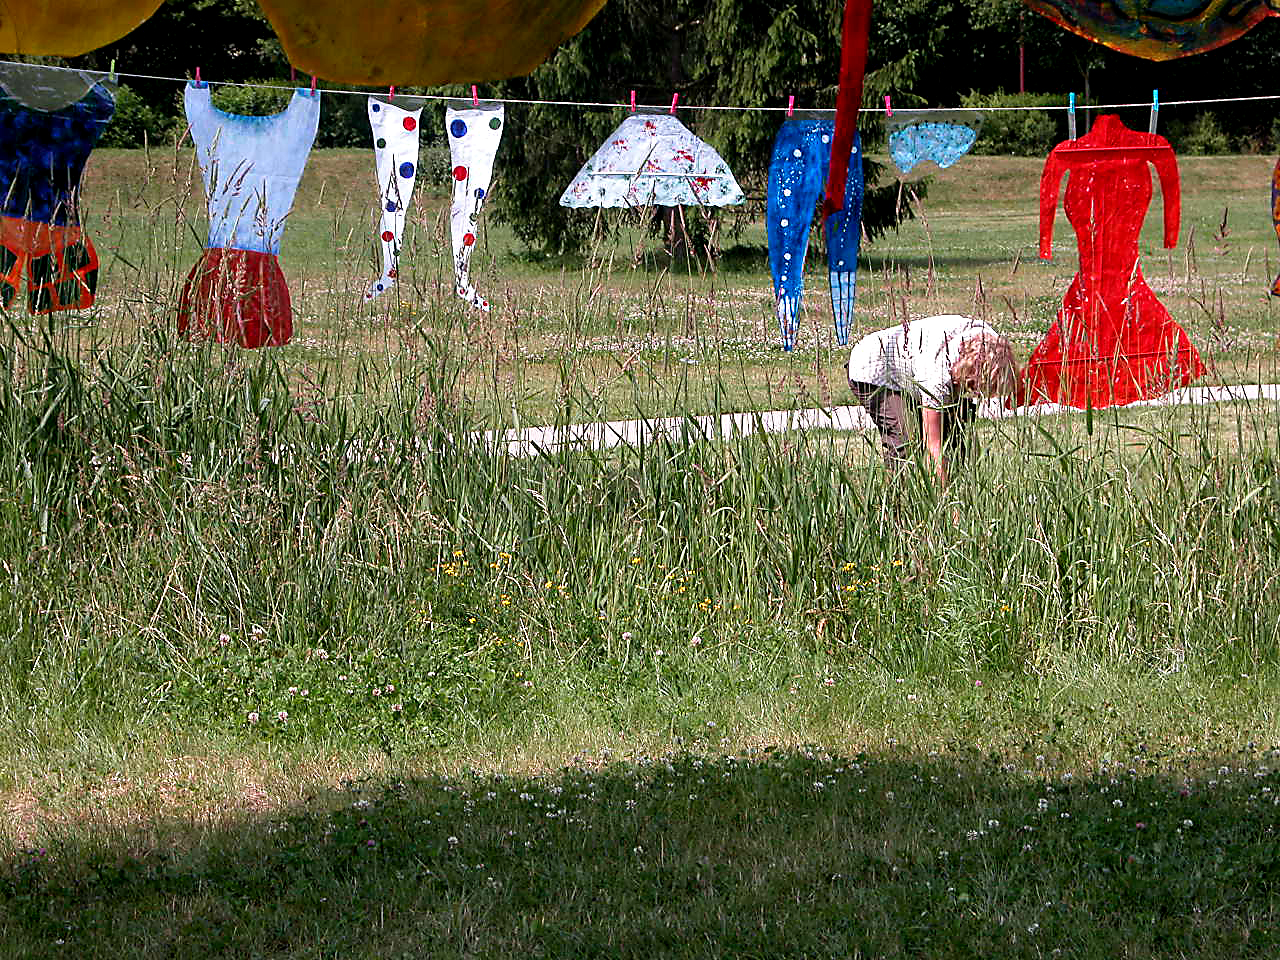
column 253, row 716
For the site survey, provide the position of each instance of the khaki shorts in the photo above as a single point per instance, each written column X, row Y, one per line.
column 899, row 418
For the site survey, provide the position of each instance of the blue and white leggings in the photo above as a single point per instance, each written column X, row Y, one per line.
column 801, row 158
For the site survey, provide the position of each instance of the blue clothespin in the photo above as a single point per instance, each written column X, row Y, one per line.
column 1071, row 118
column 1155, row 109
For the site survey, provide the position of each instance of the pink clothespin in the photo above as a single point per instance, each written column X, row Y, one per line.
column 675, row 98
column 198, row 83
column 391, row 94
column 475, row 97
column 633, row 101
column 888, row 106
column 293, row 74
column 313, row 84
column 791, row 106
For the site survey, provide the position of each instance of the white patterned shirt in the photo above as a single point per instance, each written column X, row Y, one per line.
column 915, row 357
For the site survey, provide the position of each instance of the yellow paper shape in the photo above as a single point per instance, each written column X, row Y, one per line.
column 423, row 42
column 68, row 28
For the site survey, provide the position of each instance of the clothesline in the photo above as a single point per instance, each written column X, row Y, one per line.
column 606, row 105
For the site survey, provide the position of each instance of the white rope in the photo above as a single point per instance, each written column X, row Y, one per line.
column 661, row 107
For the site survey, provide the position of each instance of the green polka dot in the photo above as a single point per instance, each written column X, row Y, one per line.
column 495, row 123
column 381, row 143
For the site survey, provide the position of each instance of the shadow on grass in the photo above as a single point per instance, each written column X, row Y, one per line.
column 776, row 853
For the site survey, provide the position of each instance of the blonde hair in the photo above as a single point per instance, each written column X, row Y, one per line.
column 987, row 360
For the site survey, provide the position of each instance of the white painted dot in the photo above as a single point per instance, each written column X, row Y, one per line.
column 796, row 153
column 839, row 263
column 786, row 191
column 786, row 256
column 825, row 138
column 784, row 222
column 783, row 278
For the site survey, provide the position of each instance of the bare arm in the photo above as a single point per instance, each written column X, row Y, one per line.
column 931, row 422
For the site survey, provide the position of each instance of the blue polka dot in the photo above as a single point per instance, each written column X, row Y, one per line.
column 479, row 193
column 406, row 169
column 458, row 128
column 376, row 108
column 391, row 206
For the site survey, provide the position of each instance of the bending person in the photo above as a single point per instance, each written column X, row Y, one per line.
column 918, row 381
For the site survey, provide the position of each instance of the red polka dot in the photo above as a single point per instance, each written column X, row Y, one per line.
column 388, row 236
column 410, row 123
column 393, row 273
column 459, row 173
column 469, row 239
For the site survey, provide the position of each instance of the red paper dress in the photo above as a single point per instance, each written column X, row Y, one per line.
column 1113, row 342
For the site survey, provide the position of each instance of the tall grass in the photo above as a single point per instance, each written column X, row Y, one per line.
column 195, row 534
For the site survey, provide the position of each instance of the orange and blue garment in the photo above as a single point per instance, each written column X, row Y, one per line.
column 236, row 292
column 42, row 158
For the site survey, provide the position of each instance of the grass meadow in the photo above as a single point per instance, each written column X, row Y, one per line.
column 295, row 667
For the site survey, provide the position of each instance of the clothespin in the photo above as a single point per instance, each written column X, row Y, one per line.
column 791, row 105
column 198, row 83
column 633, row 101
column 1071, row 118
column 293, row 74
column 888, row 107
column 313, row 85
column 112, row 75
column 475, row 97
column 1155, row 109
column 391, row 94
column 675, row 98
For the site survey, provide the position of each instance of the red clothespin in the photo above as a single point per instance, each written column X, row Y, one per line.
column 675, row 98
column 391, row 94
column 313, row 84
column 198, row 83
column 888, row 106
column 475, row 97
column 791, row 106
column 293, row 75
column 633, row 101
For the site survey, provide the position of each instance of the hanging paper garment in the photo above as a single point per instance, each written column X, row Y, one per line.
column 424, row 42
column 855, row 36
column 395, row 154
column 50, row 121
column 941, row 137
column 1113, row 342
column 653, row 159
column 1275, row 217
column 1157, row 29
column 800, row 164
column 251, row 166
column 474, row 135
column 68, row 27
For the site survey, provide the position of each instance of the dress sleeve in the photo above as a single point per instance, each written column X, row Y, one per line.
column 1167, row 169
column 1050, row 181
